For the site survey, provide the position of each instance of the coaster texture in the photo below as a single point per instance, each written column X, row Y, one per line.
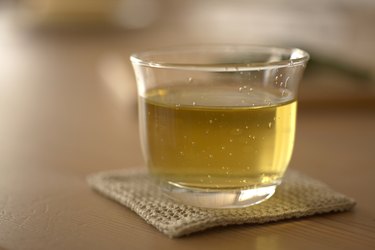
column 296, row 197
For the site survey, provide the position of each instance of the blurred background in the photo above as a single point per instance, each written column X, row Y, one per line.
column 67, row 86
column 68, row 108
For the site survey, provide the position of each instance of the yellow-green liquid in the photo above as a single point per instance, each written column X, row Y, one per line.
column 222, row 138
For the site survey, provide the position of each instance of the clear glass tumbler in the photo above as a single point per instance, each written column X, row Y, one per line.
column 217, row 122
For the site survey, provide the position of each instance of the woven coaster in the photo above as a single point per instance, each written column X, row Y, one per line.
column 296, row 197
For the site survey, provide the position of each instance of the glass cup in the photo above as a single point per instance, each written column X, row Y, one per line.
column 217, row 122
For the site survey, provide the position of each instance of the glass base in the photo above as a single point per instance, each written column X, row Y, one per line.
column 212, row 198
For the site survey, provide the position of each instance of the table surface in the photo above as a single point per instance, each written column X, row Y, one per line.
column 68, row 109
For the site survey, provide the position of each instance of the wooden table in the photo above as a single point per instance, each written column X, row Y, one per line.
column 67, row 109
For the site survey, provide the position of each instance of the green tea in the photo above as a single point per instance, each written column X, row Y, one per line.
column 223, row 138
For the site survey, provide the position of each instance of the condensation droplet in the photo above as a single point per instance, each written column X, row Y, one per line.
column 230, row 154
column 240, row 89
column 194, row 103
column 247, row 127
column 270, row 124
column 222, row 147
column 190, row 79
column 230, row 140
column 193, row 142
column 210, row 121
column 208, row 176
column 211, row 156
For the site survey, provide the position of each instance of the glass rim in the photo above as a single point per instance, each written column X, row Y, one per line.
column 147, row 58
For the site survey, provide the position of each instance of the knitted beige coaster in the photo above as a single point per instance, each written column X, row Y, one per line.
column 297, row 196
